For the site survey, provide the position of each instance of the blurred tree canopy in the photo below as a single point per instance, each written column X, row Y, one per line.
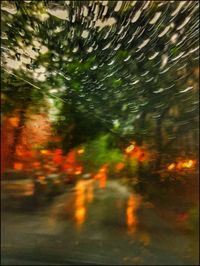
column 126, row 67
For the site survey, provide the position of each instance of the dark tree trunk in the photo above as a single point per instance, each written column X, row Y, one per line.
column 159, row 139
column 17, row 134
column 158, row 144
column 140, row 141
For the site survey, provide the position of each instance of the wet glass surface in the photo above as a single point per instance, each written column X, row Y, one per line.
column 88, row 225
column 100, row 129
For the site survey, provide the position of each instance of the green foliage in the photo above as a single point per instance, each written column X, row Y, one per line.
column 97, row 153
column 132, row 167
column 18, row 94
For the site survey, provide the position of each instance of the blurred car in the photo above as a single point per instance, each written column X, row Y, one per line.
column 15, row 183
column 40, row 184
column 48, row 185
column 55, row 183
column 68, row 179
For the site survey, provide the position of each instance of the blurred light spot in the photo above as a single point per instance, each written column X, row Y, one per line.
column 85, row 34
column 43, row 49
column 44, row 151
column 18, row 166
column 174, row 38
column 41, row 178
column 143, row 44
column 155, row 18
column 59, row 13
column 117, row 47
column 159, row 91
column 14, row 121
column 78, row 170
column 188, row 164
column 187, row 89
column 164, row 61
column 164, row 31
column 108, row 22
column 118, row 6
column 13, row 64
column 80, row 151
column 153, row 56
column 184, row 23
column 126, row 59
column 136, row 17
column 181, row 4
column 107, row 46
column 133, row 3
column 130, row 148
column 9, row 7
column 85, row 11
column 171, row 166
column 120, row 166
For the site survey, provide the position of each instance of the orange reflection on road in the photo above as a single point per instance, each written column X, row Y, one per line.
column 83, row 195
column 89, row 193
column 131, row 218
column 102, row 176
column 80, row 210
column 144, row 238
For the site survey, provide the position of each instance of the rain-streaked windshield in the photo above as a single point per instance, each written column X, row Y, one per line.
column 99, row 132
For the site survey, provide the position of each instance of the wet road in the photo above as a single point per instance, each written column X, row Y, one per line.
column 91, row 225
